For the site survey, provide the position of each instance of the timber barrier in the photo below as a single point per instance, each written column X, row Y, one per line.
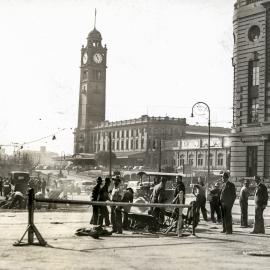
column 32, row 229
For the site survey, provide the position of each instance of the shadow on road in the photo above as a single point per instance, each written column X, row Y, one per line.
column 253, row 235
column 212, row 241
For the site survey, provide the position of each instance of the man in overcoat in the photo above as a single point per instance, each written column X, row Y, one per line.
column 261, row 200
column 227, row 198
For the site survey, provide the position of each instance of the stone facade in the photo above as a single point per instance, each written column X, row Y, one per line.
column 194, row 153
column 250, row 138
column 140, row 140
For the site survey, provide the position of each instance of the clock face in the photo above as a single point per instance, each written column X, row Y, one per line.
column 85, row 58
column 97, row 58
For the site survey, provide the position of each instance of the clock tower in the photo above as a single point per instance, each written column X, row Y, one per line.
column 92, row 92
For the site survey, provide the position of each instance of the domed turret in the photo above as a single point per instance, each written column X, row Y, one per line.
column 95, row 35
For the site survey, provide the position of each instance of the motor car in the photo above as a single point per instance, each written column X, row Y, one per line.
column 84, row 187
column 68, row 185
column 20, row 181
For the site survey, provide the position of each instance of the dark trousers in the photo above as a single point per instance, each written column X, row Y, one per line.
column 215, row 209
column 226, row 212
column 244, row 214
column 159, row 214
column 201, row 202
column 126, row 222
column 94, row 219
column 259, row 222
column 116, row 219
column 103, row 215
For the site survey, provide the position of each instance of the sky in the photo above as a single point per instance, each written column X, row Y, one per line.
column 163, row 57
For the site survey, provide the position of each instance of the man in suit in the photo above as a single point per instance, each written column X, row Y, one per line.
column 103, row 197
column 243, row 201
column 214, row 201
column 95, row 195
column 199, row 192
column 261, row 200
column 179, row 187
column 227, row 198
column 158, row 196
column 116, row 196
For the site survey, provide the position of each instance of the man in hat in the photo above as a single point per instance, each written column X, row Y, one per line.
column 227, row 198
column 261, row 200
column 103, row 197
column 179, row 187
column 127, row 197
column 116, row 196
column 243, row 201
column 158, row 196
column 215, row 203
column 95, row 195
column 199, row 192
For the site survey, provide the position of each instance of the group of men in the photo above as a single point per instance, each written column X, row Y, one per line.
column 221, row 202
column 119, row 214
column 260, row 199
column 223, row 199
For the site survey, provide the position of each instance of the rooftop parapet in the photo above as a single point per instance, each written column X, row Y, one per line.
column 143, row 120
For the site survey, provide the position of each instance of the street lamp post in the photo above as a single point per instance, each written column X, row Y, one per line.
column 209, row 134
column 61, row 160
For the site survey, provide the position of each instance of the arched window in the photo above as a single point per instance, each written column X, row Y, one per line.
column 191, row 159
column 200, row 160
column 220, row 159
column 142, row 143
column 154, row 144
column 182, row 160
column 211, row 160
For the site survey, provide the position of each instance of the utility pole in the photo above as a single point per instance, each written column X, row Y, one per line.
column 110, row 154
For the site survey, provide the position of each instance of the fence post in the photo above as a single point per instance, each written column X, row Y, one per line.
column 31, row 197
column 180, row 220
column 194, row 218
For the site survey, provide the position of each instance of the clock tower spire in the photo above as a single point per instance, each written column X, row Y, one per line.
column 95, row 18
column 92, row 92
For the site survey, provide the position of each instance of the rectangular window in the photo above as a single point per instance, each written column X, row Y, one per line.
column 252, row 152
column 254, row 110
column 97, row 75
column 255, row 75
column 253, row 91
column 126, row 144
column 85, row 75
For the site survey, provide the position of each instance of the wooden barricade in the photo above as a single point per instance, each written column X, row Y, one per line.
column 32, row 230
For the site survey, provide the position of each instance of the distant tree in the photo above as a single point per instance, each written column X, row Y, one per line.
column 103, row 158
